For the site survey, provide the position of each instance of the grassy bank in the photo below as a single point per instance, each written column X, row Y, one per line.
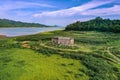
column 95, row 56
column 25, row 64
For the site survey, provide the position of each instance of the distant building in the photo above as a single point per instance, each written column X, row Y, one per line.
column 63, row 41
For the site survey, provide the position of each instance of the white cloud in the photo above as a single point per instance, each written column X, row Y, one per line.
column 60, row 17
column 20, row 4
column 115, row 10
column 74, row 10
column 10, row 9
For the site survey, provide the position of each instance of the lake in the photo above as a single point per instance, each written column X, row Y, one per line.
column 11, row 32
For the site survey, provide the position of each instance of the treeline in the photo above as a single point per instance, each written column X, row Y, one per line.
column 97, row 24
column 11, row 23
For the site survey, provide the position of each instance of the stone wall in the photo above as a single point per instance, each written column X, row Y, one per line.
column 63, row 41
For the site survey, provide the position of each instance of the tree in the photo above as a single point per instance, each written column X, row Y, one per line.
column 97, row 24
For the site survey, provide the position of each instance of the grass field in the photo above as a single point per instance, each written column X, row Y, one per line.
column 25, row 64
column 95, row 56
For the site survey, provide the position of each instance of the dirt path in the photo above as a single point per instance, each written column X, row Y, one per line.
column 116, row 58
column 58, row 48
column 68, row 50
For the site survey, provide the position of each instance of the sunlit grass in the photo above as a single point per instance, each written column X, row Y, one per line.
column 24, row 64
column 43, row 61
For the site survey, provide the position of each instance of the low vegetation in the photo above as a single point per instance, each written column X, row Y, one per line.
column 25, row 64
column 34, row 58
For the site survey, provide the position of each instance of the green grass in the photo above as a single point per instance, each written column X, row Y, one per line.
column 86, row 41
column 25, row 64
column 43, row 61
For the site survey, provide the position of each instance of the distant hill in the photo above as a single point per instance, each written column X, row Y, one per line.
column 97, row 24
column 11, row 23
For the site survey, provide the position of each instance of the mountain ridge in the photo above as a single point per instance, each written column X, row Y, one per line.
column 11, row 23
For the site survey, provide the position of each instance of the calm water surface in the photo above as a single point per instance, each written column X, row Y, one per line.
column 10, row 32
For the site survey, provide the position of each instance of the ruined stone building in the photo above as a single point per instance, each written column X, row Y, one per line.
column 63, row 41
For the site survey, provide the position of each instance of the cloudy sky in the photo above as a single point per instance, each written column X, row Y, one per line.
column 58, row 12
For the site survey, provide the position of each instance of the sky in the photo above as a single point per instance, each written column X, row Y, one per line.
column 58, row 12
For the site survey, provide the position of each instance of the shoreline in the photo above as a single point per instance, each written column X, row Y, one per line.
column 3, row 36
column 33, row 34
column 42, row 31
column 24, row 27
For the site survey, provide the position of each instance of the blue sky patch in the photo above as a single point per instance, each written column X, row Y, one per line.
column 58, row 12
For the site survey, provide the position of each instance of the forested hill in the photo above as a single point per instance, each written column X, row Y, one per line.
column 97, row 24
column 11, row 23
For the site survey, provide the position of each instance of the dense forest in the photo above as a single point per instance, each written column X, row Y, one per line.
column 97, row 24
column 11, row 23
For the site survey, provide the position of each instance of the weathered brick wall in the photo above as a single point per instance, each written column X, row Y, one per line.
column 63, row 41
